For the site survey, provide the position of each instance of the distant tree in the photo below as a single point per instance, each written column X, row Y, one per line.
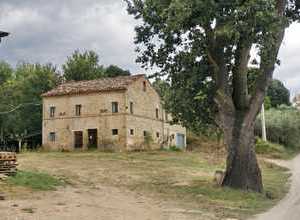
column 113, row 71
column 83, row 66
column 6, row 72
column 21, row 104
column 278, row 94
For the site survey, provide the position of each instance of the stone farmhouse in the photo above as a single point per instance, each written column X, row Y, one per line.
column 122, row 113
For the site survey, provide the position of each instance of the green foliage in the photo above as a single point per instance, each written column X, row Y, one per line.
column 22, row 98
column 282, row 126
column 263, row 147
column 175, row 149
column 113, row 71
column 83, row 66
column 6, row 72
column 278, row 94
column 35, row 180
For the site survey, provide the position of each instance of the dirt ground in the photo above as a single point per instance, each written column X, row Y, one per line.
column 135, row 186
column 93, row 193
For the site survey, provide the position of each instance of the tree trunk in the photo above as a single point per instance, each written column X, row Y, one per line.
column 242, row 169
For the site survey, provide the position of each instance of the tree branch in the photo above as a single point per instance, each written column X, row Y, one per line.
column 240, row 81
column 267, row 66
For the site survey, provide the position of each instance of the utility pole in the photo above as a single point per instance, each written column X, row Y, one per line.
column 263, row 123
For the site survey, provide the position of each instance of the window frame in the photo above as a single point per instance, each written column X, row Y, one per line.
column 157, row 113
column 115, row 132
column 52, row 137
column 115, row 107
column 131, row 132
column 78, row 110
column 52, row 111
column 131, row 108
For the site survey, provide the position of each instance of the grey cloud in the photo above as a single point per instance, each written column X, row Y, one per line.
column 49, row 31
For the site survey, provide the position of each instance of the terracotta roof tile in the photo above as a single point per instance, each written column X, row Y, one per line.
column 93, row 86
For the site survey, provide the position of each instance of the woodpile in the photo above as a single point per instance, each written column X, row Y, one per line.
column 8, row 163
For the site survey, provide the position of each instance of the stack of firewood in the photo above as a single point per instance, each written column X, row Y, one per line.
column 8, row 163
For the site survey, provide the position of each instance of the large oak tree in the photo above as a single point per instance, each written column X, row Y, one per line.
column 217, row 37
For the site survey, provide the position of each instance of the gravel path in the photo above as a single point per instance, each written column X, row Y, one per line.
column 289, row 207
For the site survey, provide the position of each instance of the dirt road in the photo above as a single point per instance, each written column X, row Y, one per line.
column 289, row 207
column 98, row 204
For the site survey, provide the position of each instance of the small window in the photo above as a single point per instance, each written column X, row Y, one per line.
column 131, row 107
column 144, row 86
column 52, row 112
column 78, row 110
column 157, row 134
column 145, row 133
column 115, row 107
column 157, row 113
column 131, row 132
column 52, row 136
column 115, row 131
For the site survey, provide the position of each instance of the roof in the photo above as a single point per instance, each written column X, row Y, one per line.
column 93, row 86
column 3, row 34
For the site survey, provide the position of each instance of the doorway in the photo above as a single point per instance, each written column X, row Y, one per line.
column 78, row 139
column 93, row 138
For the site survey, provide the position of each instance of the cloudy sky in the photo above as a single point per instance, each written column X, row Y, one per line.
column 49, row 31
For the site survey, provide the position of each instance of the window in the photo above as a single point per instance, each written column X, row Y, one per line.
column 115, row 131
column 52, row 112
column 166, row 116
column 131, row 132
column 78, row 110
column 144, row 86
column 131, row 107
column 157, row 134
column 145, row 133
column 52, row 136
column 156, row 112
column 115, row 107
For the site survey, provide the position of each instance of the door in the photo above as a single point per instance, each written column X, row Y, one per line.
column 93, row 138
column 78, row 139
column 180, row 140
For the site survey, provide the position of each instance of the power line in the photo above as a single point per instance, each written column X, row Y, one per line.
column 18, row 107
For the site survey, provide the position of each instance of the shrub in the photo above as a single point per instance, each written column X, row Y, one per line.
column 264, row 147
column 35, row 180
column 283, row 126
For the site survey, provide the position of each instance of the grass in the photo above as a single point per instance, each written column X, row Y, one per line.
column 276, row 151
column 35, row 180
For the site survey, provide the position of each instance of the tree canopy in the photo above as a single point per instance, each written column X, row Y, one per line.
column 278, row 94
column 85, row 66
column 20, row 103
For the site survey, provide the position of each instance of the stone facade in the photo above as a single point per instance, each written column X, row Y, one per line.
column 139, row 123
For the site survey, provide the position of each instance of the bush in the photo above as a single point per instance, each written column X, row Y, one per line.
column 264, row 147
column 283, row 126
column 35, row 180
